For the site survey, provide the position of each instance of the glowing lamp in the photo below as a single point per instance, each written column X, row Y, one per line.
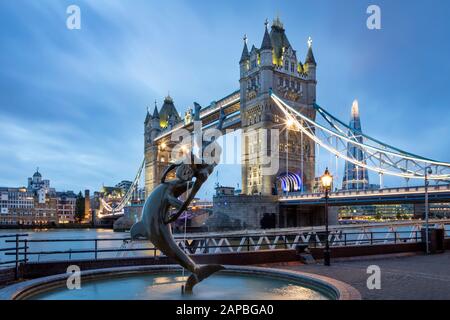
column 326, row 180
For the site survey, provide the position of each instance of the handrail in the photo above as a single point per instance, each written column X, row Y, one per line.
column 209, row 244
column 16, row 251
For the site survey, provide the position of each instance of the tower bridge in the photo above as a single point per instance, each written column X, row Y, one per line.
column 278, row 91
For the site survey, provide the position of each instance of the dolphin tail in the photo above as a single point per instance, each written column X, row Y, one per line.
column 138, row 231
column 201, row 274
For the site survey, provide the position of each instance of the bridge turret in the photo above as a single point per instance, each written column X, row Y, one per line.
column 152, row 126
column 155, row 122
column 151, row 151
column 310, row 62
column 244, row 63
column 266, row 62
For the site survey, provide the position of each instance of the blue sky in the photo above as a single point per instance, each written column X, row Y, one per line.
column 72, row 102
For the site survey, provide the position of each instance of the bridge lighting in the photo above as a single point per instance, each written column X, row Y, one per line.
column 184, row 149
column 290, row 123
column 327, row 181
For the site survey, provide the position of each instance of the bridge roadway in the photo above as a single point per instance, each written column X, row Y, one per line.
column 413, row 195
column 210, row 115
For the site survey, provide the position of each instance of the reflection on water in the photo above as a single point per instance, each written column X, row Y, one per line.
column 168, row 287
column 73, row 234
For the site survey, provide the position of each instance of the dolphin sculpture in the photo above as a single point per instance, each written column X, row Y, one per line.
column 155, row 220
column 155, row 226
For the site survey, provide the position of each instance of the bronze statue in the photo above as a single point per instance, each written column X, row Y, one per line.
column 155, row 219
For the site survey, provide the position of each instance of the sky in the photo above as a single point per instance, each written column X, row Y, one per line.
column 73, row 102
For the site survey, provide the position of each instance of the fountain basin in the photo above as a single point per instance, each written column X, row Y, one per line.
column 164, row 283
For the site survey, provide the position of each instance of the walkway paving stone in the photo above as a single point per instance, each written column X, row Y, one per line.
column 407, row 277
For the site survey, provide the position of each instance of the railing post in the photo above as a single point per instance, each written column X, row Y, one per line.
column 395, row 237
column 25, row 256
column 345, row 239
column 371, row 238
column 96, row 247
column 206, row 245
column 248, row 244
column 16, row 271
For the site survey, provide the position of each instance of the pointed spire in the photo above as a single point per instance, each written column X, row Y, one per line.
column 245, row 55
column 355, row 109
column 277, row 23
column 147, row 117
column 310, row 56
column 155, row 111
column 168, row 98
column 266, row 43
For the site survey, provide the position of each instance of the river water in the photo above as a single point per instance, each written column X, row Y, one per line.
column 69, row 234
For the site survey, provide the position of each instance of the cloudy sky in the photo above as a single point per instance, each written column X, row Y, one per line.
column 73, row 102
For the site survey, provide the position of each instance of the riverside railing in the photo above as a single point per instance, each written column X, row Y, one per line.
column 14, row 250
column 24, row 250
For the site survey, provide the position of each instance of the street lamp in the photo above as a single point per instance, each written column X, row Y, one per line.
column 326, row 181
column 428, row 171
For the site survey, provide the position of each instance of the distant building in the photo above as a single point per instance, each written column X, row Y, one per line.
column 36, row 183
column 138, row 196
column 224, row 191
column 124, row 185
column 87, row 207
column 317, row 187
column 37, row 204
column 355, row 177
column 45, row 212
column 66, row 206
column 16, row 206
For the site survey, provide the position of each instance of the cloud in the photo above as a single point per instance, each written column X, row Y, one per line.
column 73, row 102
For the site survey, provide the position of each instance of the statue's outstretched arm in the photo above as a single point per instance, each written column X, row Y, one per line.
column 174, row 202
column 222, row 117
column 168, row 169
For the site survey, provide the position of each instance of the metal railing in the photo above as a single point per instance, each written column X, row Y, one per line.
column 14, row 250
column 371, row 238
column 26, row 253
column 23, row 252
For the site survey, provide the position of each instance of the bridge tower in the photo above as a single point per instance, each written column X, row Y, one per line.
column 152, row 129
column 158, row 153
column 355, row 178
column 274, row 66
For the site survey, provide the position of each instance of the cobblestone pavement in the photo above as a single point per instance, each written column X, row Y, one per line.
column 402, row 277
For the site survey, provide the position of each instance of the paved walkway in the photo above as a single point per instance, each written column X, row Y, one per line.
column 402, row 277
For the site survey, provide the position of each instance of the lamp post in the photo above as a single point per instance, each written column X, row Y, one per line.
column 326, row 181
column 427, row 209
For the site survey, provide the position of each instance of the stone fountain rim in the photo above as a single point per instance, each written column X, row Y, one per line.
column 333, row 288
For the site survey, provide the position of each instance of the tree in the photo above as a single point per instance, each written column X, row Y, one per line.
column 79, row 207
